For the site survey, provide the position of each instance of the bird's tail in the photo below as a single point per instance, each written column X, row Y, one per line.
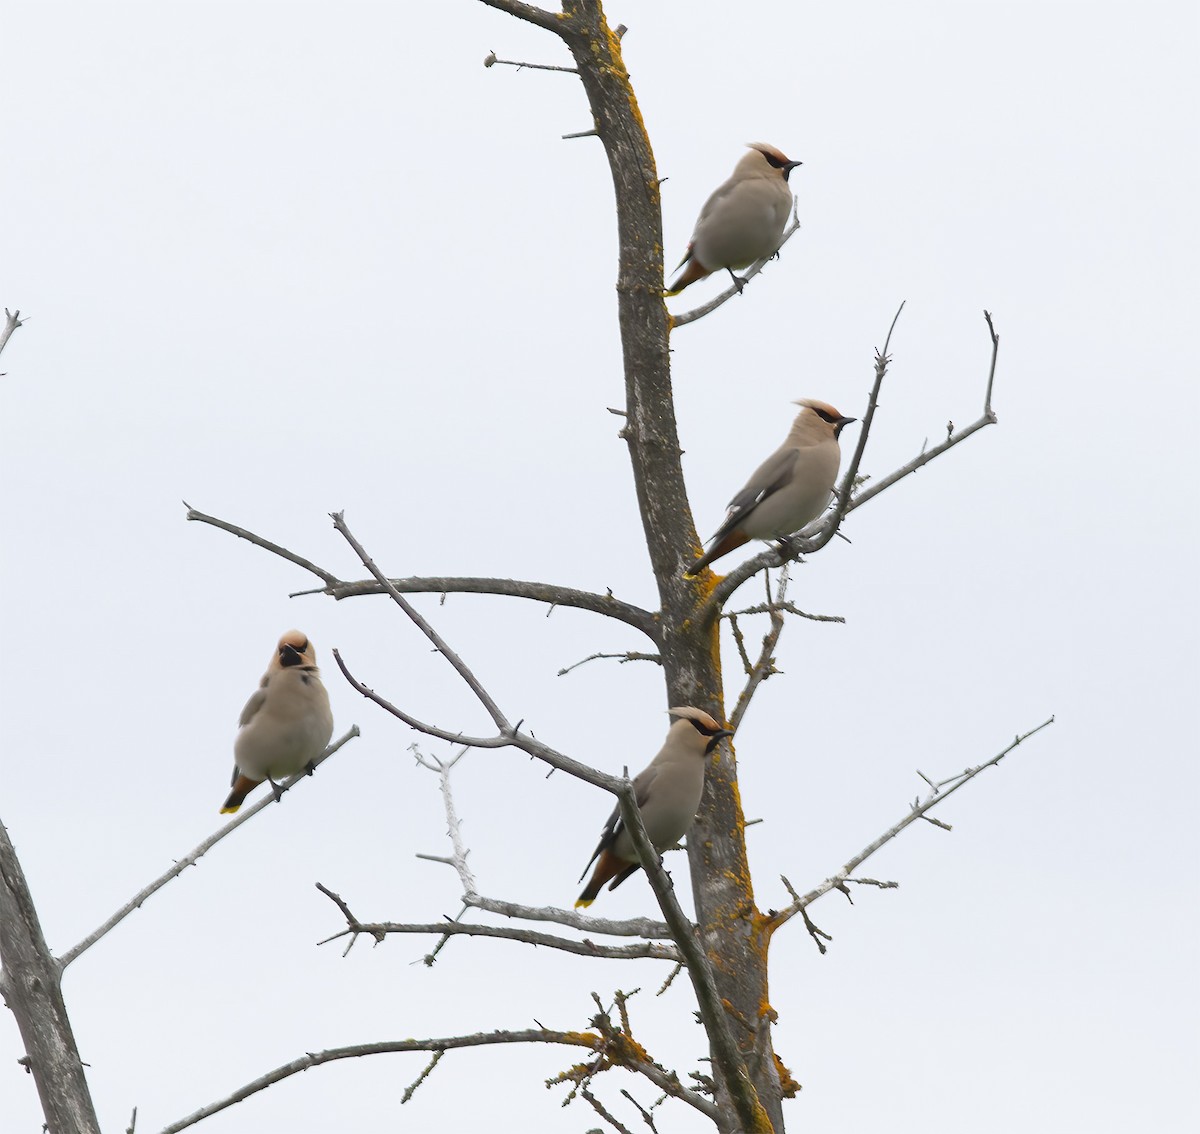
column 693, row 270
column 609, row 866
column 722, row 546
column 242, row 787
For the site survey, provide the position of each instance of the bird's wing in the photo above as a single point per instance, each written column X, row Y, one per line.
column 253, row 705
column 768, row 478
column 614, row 826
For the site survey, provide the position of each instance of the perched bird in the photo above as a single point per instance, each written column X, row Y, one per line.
column 285, row 725
column 743, row 220
column 789, row 488
column 667, row 791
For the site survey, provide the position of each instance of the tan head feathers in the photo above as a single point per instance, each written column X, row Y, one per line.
column 776, row 159
column 294, row 649
column 698, row 717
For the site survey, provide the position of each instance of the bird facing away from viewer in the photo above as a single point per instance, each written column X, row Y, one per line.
column 791, row 487
column 285, row 725
column 742, row 221
column 667, row 791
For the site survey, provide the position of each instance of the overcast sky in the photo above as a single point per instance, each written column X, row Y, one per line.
column 280, row 260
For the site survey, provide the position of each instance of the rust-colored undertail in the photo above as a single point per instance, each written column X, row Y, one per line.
column 608, row 866
column 724, row 546
column 693, row 270
column 242, row 787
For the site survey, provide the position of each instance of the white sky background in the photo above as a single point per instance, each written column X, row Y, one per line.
column 281, row 260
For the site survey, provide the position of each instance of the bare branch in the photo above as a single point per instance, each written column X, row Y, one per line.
column 329, row 579
column 917, row 811
column 787, row 608
column 491, row 60
column 499, row 741
column 747, row 276
column 530, row 13
column 549, row 593
column 622, row 658
column 446, row 1043
column 426, row 628
column 585, row 948
column 632, row 927
column 412, row 1088
column 454, row 928
column 764, row 667
column 598, row 1107
column 194, row 856
column 12, row 320
column 620, row 1049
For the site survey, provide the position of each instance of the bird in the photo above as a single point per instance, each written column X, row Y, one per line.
column 743, row 220
column 285, row 725
column 791, row 487
column 667, row 791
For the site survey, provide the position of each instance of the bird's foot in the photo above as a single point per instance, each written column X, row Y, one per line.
column 310, row 767
column 276, row 789
column 738, row 281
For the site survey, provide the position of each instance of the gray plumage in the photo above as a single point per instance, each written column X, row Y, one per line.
column 790, row 488
column 668, row 793
column 285, row 725
column 743, row 220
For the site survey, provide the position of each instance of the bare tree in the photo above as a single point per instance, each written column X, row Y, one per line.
column 725, row 952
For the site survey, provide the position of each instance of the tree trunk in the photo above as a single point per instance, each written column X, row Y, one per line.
column 728, row 919
column 32, row 990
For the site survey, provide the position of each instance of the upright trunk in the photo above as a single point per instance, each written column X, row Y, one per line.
column 32, row 991
column 724, row 897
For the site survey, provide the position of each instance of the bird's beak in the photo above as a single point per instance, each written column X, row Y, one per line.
column 289, row 655
column 790, row 165
column 723, row 732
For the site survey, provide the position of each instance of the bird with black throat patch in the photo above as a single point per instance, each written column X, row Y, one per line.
column 743, row 220
column 285, row 725
column 791, row 487
column 668, row 793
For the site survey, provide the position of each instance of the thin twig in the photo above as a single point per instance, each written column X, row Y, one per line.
column 652, row 950
column 631, row 927
column 411, row 1089
column 446, row 1043
column 491, row 60
column 628, row 656
column 12, row 320
column 426, row 628
column 549, row 593
column 764, row 667
column 598, row 1107
column 329, row 579
column 917, row 811
column 194, row 856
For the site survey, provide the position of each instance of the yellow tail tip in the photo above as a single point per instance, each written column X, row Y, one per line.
column 583, row 903
column 229, row 810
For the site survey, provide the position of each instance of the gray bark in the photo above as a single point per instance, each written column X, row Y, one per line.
column 31, row 984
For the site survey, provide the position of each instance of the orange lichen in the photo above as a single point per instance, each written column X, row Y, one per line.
column 787, row 1084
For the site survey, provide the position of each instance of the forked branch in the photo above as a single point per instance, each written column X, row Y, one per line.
column 939, row 792
column 549, row 593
